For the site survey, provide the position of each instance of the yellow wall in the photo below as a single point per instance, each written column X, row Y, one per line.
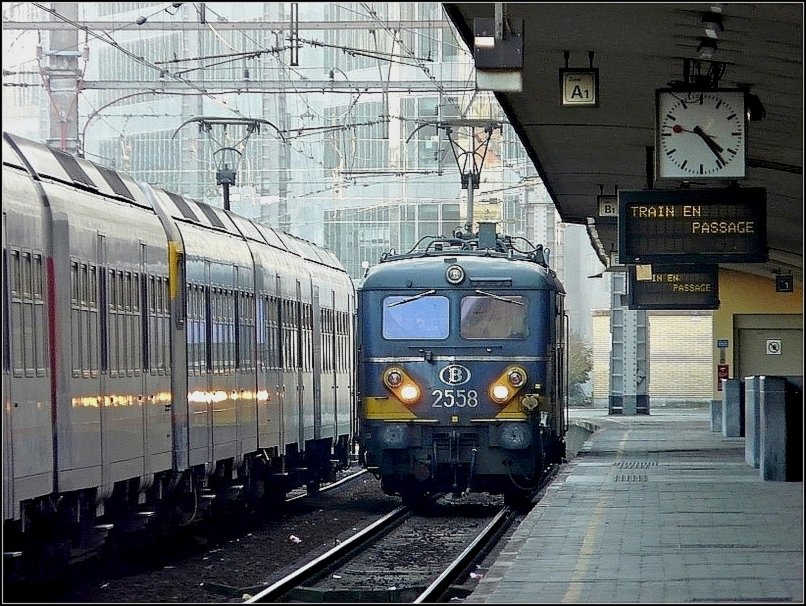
column 679, row 356
column 739, row 293
column 602, row 343
column 742, row 293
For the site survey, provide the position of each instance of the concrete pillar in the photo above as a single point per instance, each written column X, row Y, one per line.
column 716, row 415
column 752, row 405
column 772, row 429
column 732, row 408
column 629, row 353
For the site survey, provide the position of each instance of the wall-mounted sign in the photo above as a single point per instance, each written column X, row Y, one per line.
column 579, row 87
column 722, row 372
column 608, row 205
column 784, row 283
column 674, row 287
column 693, row 226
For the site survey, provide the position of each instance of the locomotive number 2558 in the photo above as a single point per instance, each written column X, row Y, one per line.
column 448, row 398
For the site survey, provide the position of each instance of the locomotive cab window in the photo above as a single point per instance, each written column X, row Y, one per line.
column 489, row 316
column 415, row 317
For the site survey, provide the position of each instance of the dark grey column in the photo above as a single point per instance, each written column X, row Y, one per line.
column 752, row 405
column 716, row 415
column 772, row 429
column 732, row 408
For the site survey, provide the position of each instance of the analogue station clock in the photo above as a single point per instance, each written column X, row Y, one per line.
column 700, row 134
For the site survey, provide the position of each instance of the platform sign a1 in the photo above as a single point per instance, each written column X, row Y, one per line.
column 727, row 225
column 579, row 87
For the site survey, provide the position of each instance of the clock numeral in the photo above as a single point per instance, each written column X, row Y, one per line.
column 671, row 117
column 719, row 163
column 683, row 166
column 700, row 168
column 719, row 104
column 670, row 152
column 731, row 117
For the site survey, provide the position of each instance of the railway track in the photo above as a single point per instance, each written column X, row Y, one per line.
column 402, row 557
column 407, row 557
column 199, row 552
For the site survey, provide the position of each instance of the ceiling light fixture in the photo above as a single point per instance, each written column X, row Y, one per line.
column 712, row 22
column 755, row 109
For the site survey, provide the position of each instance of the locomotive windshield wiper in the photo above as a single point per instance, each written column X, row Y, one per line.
column 414, row 298
column 489, row 294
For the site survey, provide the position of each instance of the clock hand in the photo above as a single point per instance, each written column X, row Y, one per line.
column 708, row 140
column 713, row 145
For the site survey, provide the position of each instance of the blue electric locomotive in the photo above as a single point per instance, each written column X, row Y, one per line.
column 461, row 368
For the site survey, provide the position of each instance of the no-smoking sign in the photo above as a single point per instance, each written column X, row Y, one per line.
column 774, row 347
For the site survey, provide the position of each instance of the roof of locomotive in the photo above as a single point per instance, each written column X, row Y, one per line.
column 500, row 264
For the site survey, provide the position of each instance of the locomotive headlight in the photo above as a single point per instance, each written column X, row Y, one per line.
column 409, row 393
column 504, row 388
column 455, row 274
column 500, row 393
column 401, row 385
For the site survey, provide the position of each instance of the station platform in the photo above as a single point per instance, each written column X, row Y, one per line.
column 654, row 508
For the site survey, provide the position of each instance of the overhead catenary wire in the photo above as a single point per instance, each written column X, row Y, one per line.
column 131, row 55
column 240, row 55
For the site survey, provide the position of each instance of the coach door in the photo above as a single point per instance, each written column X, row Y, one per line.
column 27, row 425
column 8, row 469
column 297, row 365
column 314, row 346
column 560, row 361
column 155, row 322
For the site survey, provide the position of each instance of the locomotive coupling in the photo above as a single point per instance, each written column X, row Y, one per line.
column 530, row 402
column 533, row 401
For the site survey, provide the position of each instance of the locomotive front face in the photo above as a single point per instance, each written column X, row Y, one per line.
column 453, row 375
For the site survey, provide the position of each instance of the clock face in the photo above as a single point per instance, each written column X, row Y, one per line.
column 700, row 134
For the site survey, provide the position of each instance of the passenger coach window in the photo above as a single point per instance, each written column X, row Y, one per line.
column 494, row 317
column 415, row 317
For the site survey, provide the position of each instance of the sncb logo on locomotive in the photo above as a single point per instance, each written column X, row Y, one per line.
column 455, row 374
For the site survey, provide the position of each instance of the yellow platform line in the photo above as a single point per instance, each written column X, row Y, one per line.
column 586, row 551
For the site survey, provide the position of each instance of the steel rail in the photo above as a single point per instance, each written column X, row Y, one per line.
column 299, row 576
column 455, row 568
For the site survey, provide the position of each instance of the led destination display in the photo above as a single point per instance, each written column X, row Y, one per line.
column 673, row 287
column 693, row 226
